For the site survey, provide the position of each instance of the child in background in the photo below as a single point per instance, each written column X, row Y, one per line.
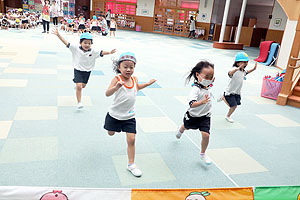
column 199, row 113
column 81, row 26
column 104, row 27
column 121, row 114
column 113, row 27
column 83, row 61
column 237, row 74
column 94, row 24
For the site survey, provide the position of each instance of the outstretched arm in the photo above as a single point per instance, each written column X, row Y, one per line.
column 56, row 32
column 143, row 85
column 254, row 68
column 108, row 52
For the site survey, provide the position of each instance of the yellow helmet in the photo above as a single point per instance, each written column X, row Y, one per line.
column 20, row 9
column 17, row 20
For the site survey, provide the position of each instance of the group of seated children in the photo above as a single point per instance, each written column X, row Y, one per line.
column 18, row 19
column 97, row 25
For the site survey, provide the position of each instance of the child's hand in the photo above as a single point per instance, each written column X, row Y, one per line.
column 113, row 51
column 119, row 84
column 206, row 99
column 55, row 32
column 151, row 81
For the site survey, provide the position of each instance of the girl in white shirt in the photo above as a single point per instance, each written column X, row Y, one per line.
column 237, row 74
column 199, row 112
column 113, row 27
column 121, row 114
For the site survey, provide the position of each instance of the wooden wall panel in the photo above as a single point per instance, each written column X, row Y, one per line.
column 274, row 35
column 206, row 26
column 146, row 23
column 13, row 3
column 246, row 35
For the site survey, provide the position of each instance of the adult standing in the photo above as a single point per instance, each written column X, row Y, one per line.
column 46, row 15
column 55, row 12
column 108, row 17
column 192, row 28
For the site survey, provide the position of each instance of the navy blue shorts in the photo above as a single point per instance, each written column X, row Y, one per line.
column 81, row 76
column 201, row 123
column 233, row 99
column 112, row 124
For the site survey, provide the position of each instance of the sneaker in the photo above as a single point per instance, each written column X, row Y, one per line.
column 79, row 105
column 205, row 158
column 134, row 170
column 178, row 134
column 220, row 98
column 229, row 119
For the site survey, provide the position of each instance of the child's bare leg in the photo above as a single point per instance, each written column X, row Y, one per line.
column 231, row 110
column 205, row 141
column 182, row 128
column 79, row 87
column 111, row 133
column 131, row 147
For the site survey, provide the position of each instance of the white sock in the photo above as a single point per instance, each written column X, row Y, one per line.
column 130, row 164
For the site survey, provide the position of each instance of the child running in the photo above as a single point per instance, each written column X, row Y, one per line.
column 237, row 74
column 199, row 112
column 121, row 114
column 83, row 60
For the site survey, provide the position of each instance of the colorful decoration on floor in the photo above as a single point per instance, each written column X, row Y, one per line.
column 244, row 193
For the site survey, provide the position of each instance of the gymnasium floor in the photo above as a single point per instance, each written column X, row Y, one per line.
column 46, row 141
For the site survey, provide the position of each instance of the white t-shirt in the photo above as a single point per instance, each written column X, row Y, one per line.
column 108, row 16
column 55, row 10
column 236, row 82
column 122, row 107
column 113, row 25
column 197, row 94
column 192, row 25
column 83, row 60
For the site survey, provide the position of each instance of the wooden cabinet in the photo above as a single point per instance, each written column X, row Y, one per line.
column 172, row 21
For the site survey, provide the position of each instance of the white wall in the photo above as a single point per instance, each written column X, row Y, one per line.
column 261, row 13
column 278, row 13
column 145, row 8
column 287, row 43
column 205, row 13
column 234, row 11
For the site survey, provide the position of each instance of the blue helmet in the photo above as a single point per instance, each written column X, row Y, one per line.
column 94, row 17
column 127, row 56
column 241, row 56
column 86, row 36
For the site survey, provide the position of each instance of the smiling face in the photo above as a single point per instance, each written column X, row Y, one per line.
column 86, row 44
column 126, row 68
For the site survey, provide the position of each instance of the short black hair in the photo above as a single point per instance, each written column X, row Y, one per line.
column 197, row 69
